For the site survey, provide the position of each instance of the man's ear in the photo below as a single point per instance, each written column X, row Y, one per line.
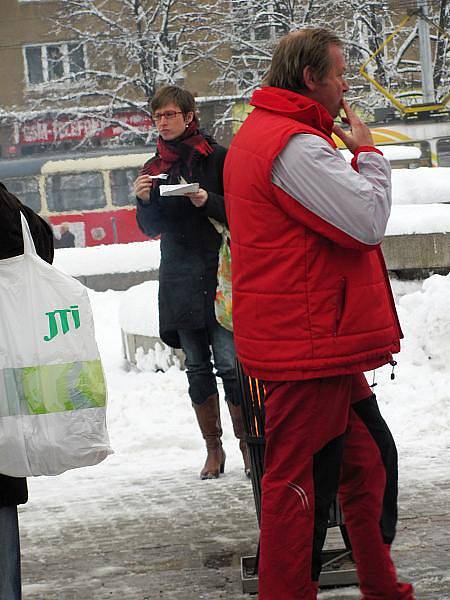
column 309, row 78
column 189, row 117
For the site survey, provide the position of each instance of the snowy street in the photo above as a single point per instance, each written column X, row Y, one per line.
column 141, row 525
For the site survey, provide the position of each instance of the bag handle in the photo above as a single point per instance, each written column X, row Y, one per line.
column 28, row 243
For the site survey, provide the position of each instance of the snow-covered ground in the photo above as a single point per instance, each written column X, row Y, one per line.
column 152, row 425
column 154, row 433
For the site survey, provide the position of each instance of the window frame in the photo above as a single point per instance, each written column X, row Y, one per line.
column 64, row 45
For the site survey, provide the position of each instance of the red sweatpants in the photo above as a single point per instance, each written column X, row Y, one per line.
column 361, row 492
column 305, row 426
column 303, row 418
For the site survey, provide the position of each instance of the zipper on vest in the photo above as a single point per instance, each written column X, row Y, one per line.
column 340, row 304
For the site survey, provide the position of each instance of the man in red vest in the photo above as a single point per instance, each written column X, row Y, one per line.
column 313, row 310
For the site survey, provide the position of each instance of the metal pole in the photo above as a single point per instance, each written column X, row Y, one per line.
column 425, row 54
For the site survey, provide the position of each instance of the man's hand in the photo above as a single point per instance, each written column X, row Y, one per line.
column 142, row 187
column 199, row 198
column 359, row 134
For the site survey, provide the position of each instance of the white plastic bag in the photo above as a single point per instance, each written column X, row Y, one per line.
column 52, row 387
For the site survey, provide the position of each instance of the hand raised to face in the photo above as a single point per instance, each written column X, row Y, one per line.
column 359, row 134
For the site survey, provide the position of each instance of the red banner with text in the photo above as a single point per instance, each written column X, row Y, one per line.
column 64, row 129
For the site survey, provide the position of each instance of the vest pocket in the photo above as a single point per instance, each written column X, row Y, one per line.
column 341, row 301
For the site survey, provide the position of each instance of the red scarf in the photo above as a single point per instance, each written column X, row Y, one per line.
column 171, row 155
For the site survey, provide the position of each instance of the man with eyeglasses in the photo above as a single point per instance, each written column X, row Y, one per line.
column 189, row 261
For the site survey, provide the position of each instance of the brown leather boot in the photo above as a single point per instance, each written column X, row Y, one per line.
column 208, row 417
column 239, row 432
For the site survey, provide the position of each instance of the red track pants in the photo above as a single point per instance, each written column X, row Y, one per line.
column 361, row 492
column 305, row 426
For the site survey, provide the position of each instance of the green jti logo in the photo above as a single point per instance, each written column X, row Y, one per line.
column 63, row 314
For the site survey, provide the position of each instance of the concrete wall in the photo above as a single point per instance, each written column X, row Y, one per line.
column 419, row 251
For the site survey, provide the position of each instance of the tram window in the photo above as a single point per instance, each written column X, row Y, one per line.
column 26, row 189
column 122, row 186
column 425, row 149
column 81, row 191
column 443, row 152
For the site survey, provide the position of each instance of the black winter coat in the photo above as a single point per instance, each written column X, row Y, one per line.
column 189, row 247
column 13, row 490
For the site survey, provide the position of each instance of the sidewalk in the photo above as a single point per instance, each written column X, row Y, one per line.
column 95, row 535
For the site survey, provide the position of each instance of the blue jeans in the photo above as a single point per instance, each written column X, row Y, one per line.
column 197, row 345
column 10, row 583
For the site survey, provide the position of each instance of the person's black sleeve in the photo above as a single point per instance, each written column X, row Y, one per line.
column 215, row 208
column 215, row 205
column 149, row 215
column 11, row 240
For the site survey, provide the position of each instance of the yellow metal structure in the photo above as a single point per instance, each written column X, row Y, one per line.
column 402, row 107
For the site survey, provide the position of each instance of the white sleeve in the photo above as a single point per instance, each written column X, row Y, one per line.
column 317, row 176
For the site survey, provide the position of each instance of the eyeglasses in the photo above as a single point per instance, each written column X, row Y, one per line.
column 168, row 114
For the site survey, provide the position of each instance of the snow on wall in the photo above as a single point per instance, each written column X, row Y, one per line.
column 113, row 258
column 391, row 152
column 421, row 186
column 98, row 163
column 419, row 218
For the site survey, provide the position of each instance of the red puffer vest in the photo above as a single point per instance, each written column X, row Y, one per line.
column 308, row 300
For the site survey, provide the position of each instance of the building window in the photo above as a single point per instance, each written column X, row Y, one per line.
column 52, row 62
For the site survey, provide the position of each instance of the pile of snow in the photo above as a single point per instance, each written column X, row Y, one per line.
column 416, row 403
column 421, row 186
column 138, row 312
column 158, row 358
column 419, row 218
column 391, row 152
column 112, row 258
column 426, row 313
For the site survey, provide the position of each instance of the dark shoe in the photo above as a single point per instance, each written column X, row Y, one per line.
column 239, row 432
column 208, row 417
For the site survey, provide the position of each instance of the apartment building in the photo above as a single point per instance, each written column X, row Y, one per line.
column 32, row 56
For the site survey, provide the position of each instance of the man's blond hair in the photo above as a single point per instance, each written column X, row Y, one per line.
column 297, row 50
